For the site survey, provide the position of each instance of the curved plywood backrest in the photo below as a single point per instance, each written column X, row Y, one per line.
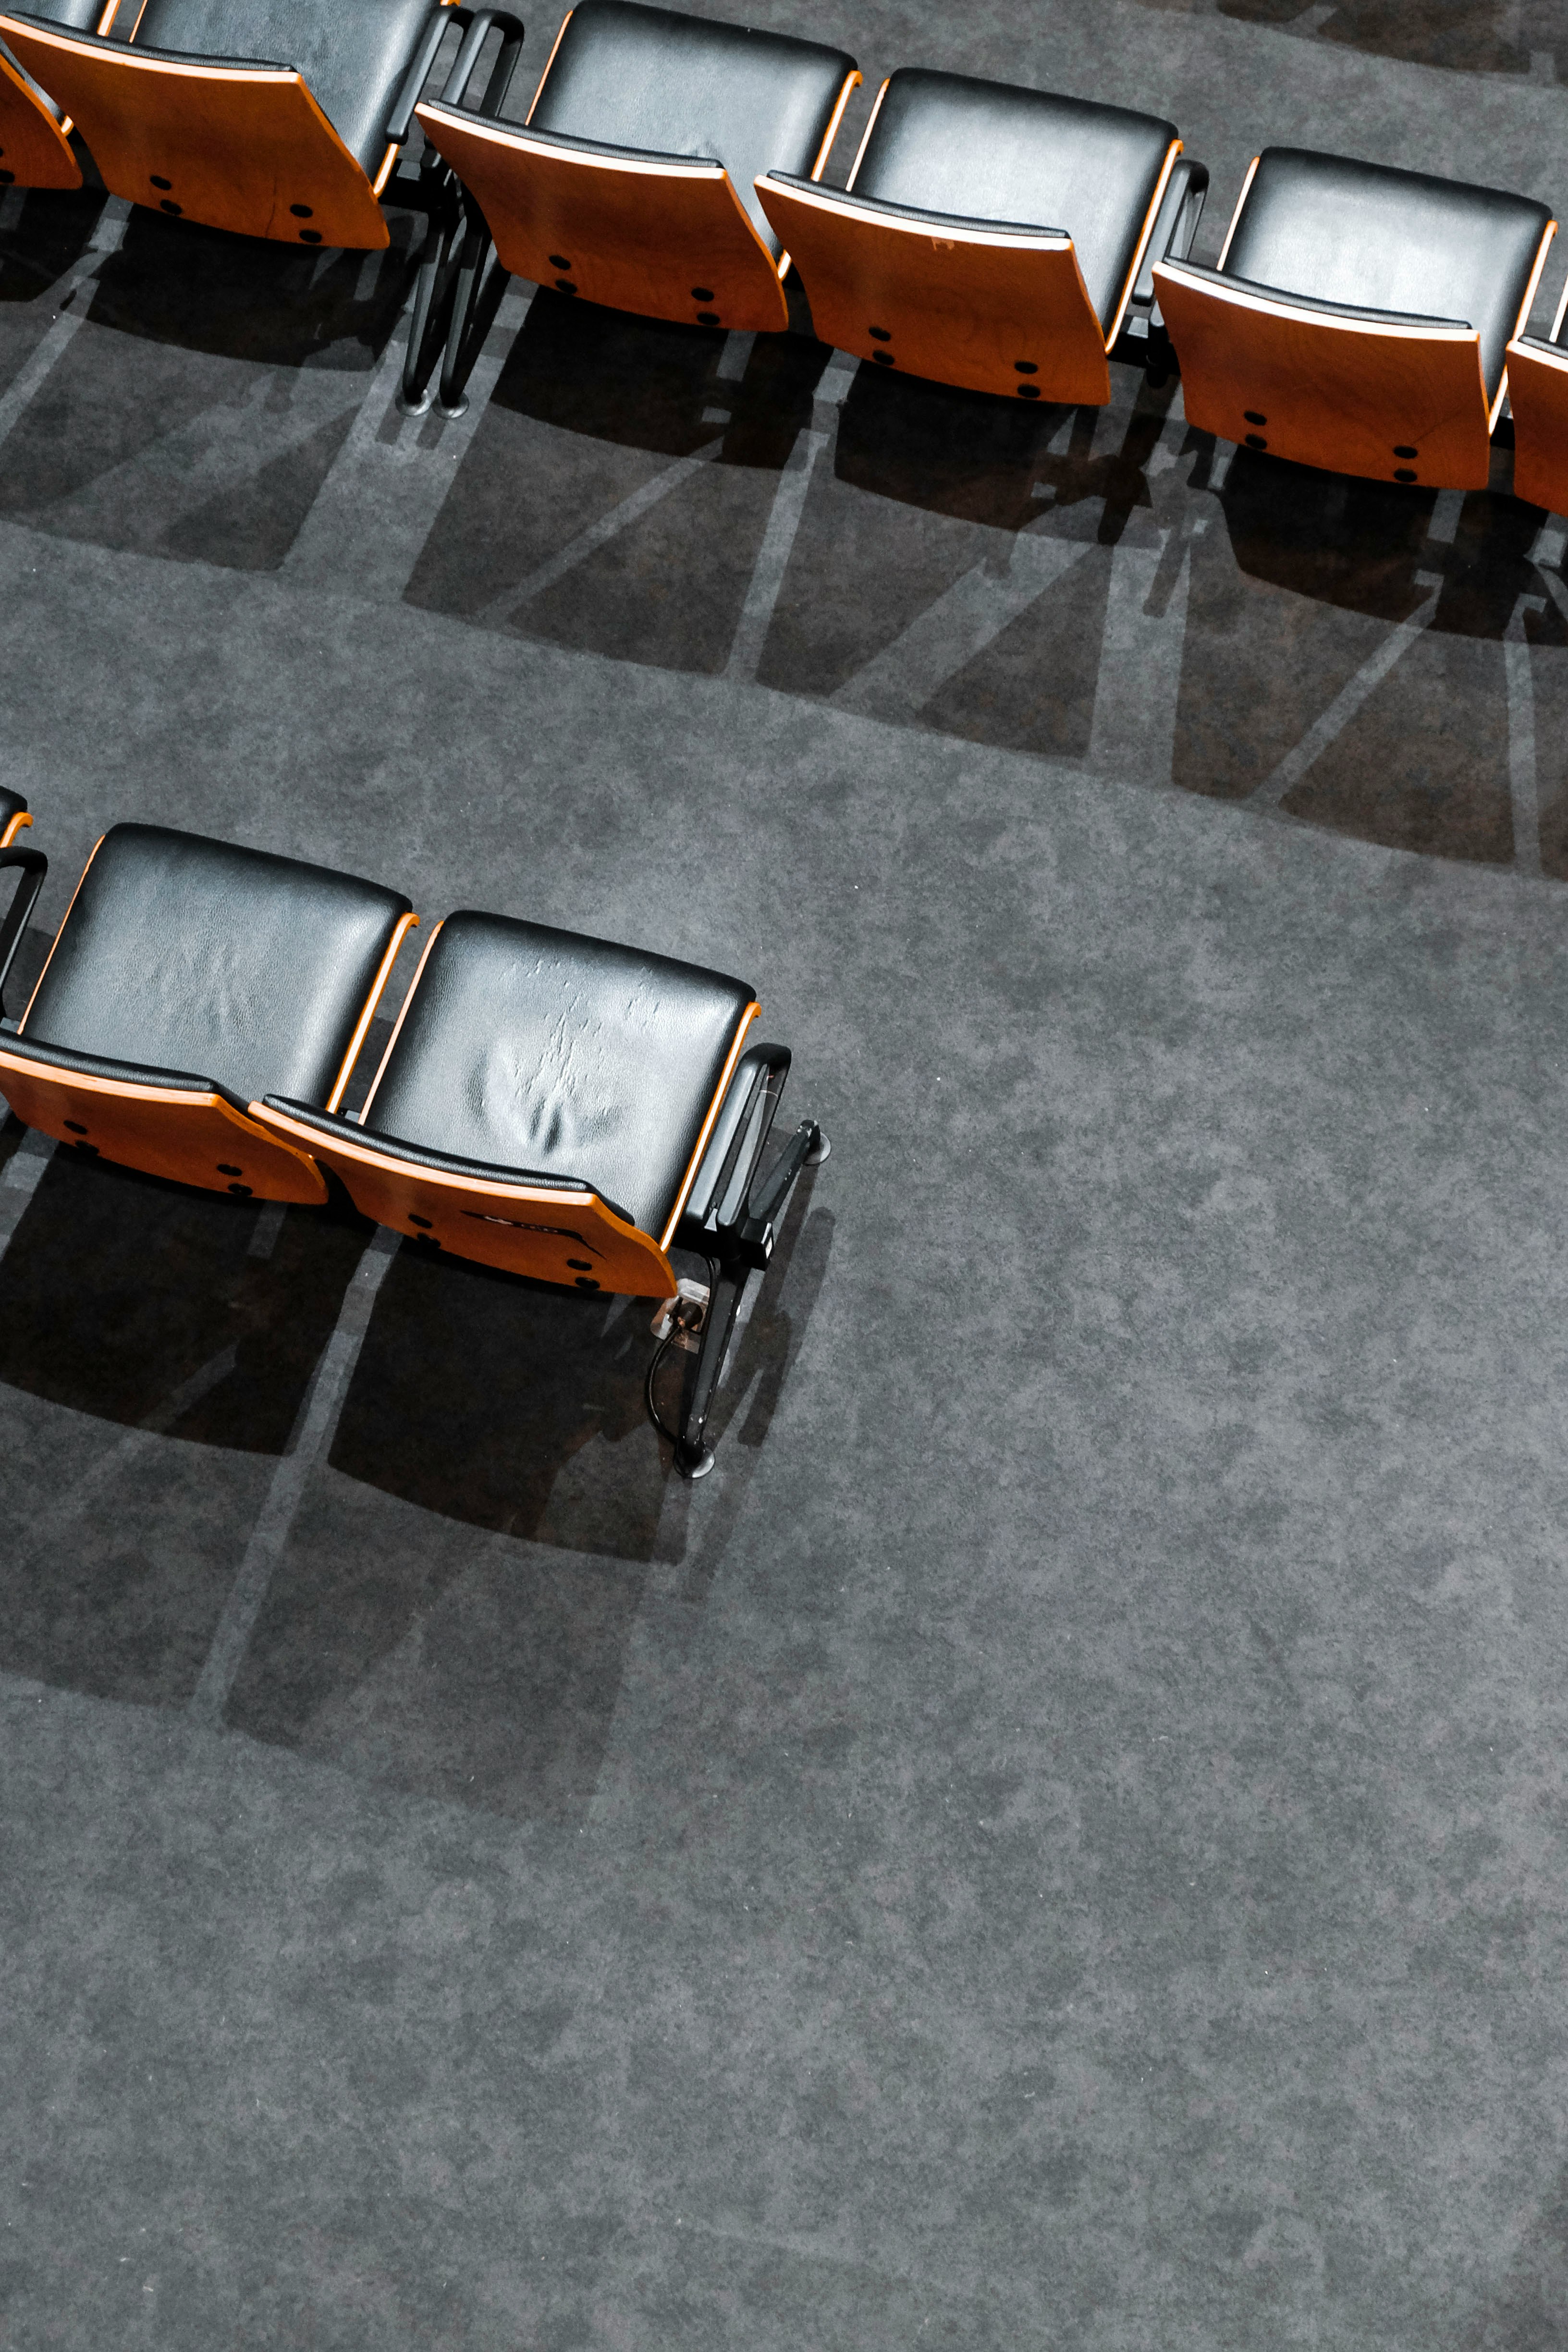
column 177, row 1126
column 34, row 151
column 967, row 302
column 665, row 235
column 556, row 1232
column 1538, row 395
column 236, row 145
column 1390, row 398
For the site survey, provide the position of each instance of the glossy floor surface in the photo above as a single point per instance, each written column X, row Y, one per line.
column 1062, row 1841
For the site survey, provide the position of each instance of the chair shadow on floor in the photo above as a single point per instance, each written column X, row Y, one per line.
column 170, row 1337
column 473, row 1646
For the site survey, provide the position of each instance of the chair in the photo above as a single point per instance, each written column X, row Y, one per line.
column 35, row 135
column 278, row 119
column 570, row 1110
column 992, row 237
column 631, row 180
column 1538, row 395
column 1359, row 318
column 189, row 978
column 32, row 865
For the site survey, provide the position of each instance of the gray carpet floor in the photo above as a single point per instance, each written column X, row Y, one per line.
column 1062, row 1841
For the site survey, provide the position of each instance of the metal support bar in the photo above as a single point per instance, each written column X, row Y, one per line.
column 33, row 865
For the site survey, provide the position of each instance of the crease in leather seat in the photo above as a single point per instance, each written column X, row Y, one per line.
column 274, row 118
column 1538, row 395
column 189, row 977
column 1360, row 317
column 34, row 133
column 989, row 237
column 631, row 181
column 543, row 1106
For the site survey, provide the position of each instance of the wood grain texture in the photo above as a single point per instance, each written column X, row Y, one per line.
column 192, row 1139
column 239, row 147
column 34, row 150
column 551, row 1236
column 22, row 818
column 637, row 234
column 1538, row 393
column 1347, row 395
column 962, row 306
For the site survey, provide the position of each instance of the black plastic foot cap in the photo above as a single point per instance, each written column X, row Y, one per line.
column 460, row 408
column 695, row 1465
column 820, row 1150
column 415, row 404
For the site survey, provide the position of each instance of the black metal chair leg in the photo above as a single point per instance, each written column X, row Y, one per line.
column 693, row 1455
column 33, row 865
column 424, row 331
column 478, row 299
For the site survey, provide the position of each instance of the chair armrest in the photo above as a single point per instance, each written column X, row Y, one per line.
column 717, row 1200
column 479, row 23
column 1175, row 226
column 32, row 865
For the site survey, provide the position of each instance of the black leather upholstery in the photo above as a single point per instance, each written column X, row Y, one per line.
column 983, row 150
column 1345, row 233
column 134, row 1073
column 11, row 804
column 184, row 954
column 532, row 1049
column 665, row 83
column 354, row 54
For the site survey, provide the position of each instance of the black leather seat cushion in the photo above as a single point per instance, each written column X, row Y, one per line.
column 11, row 804
column 665, row 83
column 535, row 1049
column 1367, row 236
column 945, row 143
column 354, row 54
column 181, row 953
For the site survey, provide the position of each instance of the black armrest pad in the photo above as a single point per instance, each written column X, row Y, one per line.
column 131, row 1074
column 338, row 1129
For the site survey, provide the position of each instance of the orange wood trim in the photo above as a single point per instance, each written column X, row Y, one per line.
column 1561, row 311
column 1236, row 215
column 962, row 304
column 549, row 61
column 367, row 1011
column 719, row 1093
column 1343, row 393
column 1150, row 218
column 852, row 81
column 474, row 1217
column 865, row 137
column 108, row 17
column 1539, row 393
column 390, row 158
column 397, row 1024
column 238, row 147
column 23, row 817
column 1519, row 325
column 37, row 148
column 59, row 935
column 136, row 27
column 639, row 232
column 178, row 1133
